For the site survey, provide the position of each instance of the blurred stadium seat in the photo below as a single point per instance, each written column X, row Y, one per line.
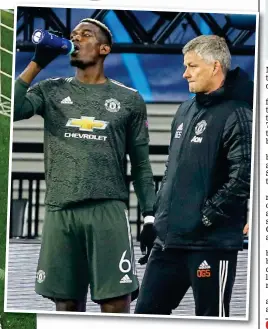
column 17, row 219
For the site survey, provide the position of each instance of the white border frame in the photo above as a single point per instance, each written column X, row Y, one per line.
column 98, row 5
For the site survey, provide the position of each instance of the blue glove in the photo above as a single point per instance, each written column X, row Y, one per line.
column 44, row 55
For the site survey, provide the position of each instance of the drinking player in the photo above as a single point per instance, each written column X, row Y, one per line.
column 90, row 122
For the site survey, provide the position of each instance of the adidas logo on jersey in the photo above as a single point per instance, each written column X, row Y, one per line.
column 126, row 279
column 179, row 131
column 204, row 265
column 67, row 100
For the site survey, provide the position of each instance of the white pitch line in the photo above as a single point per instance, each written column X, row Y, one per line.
column 7, row 27
column 5, row 97
column 2, row 276
column 6, row 74
column 6, row 50
column 10, row 11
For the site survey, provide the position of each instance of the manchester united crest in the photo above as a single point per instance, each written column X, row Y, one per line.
column 40, row 276
column 200, row 127
column 112, row 105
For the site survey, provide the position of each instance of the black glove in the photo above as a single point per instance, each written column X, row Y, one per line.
column 44, row 55
column 147, row 238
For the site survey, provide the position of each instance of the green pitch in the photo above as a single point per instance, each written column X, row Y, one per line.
column 7, row 320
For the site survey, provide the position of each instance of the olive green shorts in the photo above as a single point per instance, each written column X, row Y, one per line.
column 88, row 245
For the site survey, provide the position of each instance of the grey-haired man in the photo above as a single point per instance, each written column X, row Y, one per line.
column 200, row 208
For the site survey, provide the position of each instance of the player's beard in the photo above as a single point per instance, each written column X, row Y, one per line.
column 81, row 64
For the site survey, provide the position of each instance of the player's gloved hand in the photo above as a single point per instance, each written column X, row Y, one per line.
column 147, row 238
column 44, row 55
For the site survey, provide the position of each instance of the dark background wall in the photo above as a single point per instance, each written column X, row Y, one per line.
column 158, row 77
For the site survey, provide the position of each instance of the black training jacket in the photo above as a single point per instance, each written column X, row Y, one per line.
column 208, row 170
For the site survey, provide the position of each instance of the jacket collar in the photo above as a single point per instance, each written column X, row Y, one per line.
column 215, row 97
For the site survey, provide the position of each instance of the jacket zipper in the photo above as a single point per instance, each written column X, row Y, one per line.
column 195, row 119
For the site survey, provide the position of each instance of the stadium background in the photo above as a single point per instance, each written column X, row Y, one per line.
column 153, row 65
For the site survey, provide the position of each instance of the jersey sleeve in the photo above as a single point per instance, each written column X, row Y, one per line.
column 138, row 126
column 27, row 101
column 138, row 149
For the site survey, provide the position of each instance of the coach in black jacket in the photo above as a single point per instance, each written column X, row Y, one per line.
column 200, row 210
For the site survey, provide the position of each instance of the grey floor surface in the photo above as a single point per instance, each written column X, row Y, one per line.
column 21, row 277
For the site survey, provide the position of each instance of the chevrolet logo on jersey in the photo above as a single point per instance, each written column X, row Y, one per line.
column 87, row 123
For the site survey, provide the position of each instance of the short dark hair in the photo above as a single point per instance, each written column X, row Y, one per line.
column 103, row 28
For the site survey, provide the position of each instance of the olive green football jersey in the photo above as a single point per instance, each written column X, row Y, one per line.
column 87, row 132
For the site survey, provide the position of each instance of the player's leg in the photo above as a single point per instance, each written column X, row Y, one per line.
column 116, row 305
column 62, row 274
column 112, row 268
column 165, row 282
column 70, row 305
column 213, row 275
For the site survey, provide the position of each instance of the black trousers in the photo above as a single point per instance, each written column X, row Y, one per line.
column 170, row 273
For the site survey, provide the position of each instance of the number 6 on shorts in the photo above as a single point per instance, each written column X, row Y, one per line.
column 124, row 261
